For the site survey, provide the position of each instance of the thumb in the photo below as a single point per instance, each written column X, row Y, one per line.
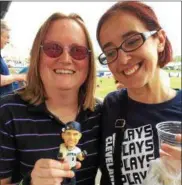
column 78, row 165
column 178, row 138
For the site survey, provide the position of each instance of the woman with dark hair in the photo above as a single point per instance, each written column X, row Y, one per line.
column 135, row 47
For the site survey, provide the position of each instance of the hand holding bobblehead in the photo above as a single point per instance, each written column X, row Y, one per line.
column 68, row 151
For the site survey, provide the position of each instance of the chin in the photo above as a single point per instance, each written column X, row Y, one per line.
column 64, row 87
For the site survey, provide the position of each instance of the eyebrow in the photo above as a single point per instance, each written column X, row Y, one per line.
column 130, row 33
column 108, row 44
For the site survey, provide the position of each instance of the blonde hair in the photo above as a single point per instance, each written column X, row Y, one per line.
column 34, row 92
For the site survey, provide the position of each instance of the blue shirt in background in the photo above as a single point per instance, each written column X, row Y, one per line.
column 18, row 85
column 4, row 90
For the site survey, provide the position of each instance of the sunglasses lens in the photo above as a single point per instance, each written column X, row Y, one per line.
column 79, row 52
column 52, row 50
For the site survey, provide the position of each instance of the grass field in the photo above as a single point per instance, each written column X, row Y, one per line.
column 106, row 85
column 175, row 82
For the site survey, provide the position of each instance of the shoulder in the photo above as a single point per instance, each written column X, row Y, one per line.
column 12, row 101
column 115, row 97
column 77, row 149
column 1, row 61
column 179, row 92
column 178, row 97
column 98, row 104
column 11, row 98
column 62, row 145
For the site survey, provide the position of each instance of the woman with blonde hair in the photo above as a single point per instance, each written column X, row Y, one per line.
column 60, row 88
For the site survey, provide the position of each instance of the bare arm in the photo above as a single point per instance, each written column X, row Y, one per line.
column 8, row 79
column 6, row 181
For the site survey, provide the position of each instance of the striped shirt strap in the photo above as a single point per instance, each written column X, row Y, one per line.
column 26, row 180
column 21, row 182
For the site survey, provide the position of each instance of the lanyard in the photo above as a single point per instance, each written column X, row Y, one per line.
column 119, row 130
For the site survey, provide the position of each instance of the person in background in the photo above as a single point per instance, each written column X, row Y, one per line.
column 135, row 47
column 19, row 85
column 6, row 79
column 60, row 88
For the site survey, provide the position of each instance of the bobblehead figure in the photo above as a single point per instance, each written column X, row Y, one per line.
column 68, row 150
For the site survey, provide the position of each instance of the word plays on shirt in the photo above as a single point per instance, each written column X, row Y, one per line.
column 137, row 152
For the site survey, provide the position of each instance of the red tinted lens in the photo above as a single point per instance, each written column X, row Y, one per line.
column 78, row 52
column 52, row 50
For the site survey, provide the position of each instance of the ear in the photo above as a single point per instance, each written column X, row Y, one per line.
column 162, row 40
column 80, row 135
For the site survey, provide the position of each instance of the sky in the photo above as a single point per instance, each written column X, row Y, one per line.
column 25, row 18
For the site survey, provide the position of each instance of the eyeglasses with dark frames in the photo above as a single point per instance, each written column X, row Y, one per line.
column 130, row 44
column 55, row 50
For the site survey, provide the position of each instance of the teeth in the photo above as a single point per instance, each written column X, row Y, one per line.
column 131, row 70
column 63, row 71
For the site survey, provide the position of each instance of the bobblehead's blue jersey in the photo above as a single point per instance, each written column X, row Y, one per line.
column 140, row 144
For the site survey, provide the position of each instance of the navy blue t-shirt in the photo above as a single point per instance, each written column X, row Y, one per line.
column 140, row 143
column 4, row 90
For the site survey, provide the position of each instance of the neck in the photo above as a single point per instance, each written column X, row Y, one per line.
column 64, row 105
column 63, row 99
column 70, row 148
column 152, row 93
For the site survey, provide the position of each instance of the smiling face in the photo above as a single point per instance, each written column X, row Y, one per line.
column 64, row 72
column 133, row 69
column 71, row 138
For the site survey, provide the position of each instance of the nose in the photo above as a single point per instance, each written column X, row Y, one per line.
column 65, row 56
column 8, row 40
column 71, row 136
column 123, row 57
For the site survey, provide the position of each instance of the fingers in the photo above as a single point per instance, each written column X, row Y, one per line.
column 162, row 153
column 78, row 165
column 54, row 181
column 50, row 163
column 48, row 171
column 54, row 173
column 178, row 138
column 171, row 151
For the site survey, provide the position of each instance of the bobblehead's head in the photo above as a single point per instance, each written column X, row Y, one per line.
column 71, row 134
